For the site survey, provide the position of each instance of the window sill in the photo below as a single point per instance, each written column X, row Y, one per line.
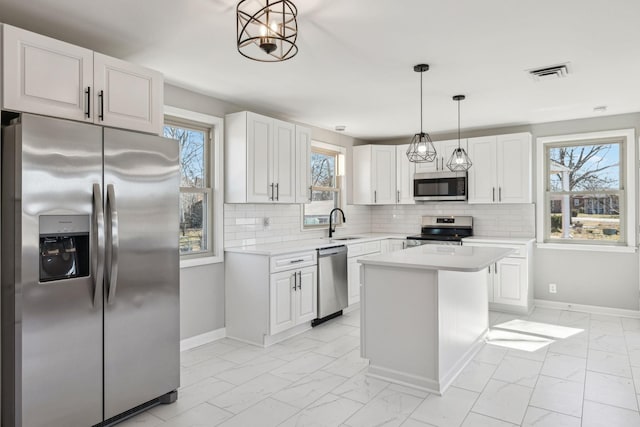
column 198, row 261
column 586, row 247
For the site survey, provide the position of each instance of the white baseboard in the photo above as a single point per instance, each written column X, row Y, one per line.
column 202, row 339
column 592, row 309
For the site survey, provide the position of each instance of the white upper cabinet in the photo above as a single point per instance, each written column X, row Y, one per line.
column 501, row 171
column 374, row 175
column 45, row 76
column 514, row 168
column 284, row 162
column 260, row 159
column 127, row 95
column 404, row 176
column 303, row 165
column 483, row 178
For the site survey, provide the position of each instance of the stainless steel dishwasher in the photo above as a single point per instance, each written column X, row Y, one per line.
column 332, row 283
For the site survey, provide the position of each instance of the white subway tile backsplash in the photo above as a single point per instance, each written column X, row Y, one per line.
column 244, row 223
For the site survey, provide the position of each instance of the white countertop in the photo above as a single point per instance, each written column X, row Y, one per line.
column 440, row 257
column 290, row 246
column 499, row 240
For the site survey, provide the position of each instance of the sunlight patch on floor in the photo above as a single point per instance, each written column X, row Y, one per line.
column 542, row 329
column 516, row 341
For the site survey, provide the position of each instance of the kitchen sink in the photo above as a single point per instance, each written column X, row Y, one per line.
column 346, row 238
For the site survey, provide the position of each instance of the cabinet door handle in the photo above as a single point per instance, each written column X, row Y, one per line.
column 311, row 193
column 494, row 194
column 398, row 196
column 271, row 195
column 278, row 191
column 295, row 281
column 496, row 268
column 499, row 194
column 375, row 196
column 437, row 164
column 87, row 112
column 299, row 280
column 101, row 105
column 489, row 269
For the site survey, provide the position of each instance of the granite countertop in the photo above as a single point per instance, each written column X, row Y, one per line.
column 440, row 257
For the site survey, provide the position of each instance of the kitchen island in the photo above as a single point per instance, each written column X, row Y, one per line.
column 424, row 312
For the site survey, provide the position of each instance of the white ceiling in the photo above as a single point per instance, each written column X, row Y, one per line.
column 356, row 57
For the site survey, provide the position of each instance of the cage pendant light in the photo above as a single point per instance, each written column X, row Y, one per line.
column 421, row 148
column 267, row 30
column 459, row 160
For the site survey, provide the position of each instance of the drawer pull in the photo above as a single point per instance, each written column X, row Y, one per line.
column 296, row 261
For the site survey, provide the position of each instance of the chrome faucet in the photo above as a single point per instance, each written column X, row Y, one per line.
column 331, row 227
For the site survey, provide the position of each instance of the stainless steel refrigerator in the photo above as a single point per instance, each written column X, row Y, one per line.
column 90, row 272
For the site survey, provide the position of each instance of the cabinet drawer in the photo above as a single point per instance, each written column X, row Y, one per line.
column 358, row 249
column 291, row 261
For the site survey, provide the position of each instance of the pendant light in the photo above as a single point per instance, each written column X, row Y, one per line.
column 267, row 30
column 459, row 160
column 421, row 148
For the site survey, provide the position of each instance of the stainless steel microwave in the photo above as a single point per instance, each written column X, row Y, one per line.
column 440, row 186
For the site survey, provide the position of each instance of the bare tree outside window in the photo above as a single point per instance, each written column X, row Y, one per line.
column 195, row 191
column 585, row 192
column 325, row 188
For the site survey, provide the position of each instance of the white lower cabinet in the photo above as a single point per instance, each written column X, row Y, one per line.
column 353, row 278
column 354, row 252
column 509, row 283
column 269, row 298
column 293, row 296
column 397, row 244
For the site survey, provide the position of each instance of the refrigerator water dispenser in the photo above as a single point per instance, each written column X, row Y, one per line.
column 64, row 247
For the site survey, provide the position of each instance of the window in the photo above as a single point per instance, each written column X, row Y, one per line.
column 200, row 186
column 586, row 190
column 326, row 180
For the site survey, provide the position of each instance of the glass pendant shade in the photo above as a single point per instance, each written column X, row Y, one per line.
column 421, row 149
column 459, row 160
column 267, row 30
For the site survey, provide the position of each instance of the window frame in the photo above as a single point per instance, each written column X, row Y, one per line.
column 214, row 156
column 339, row 151
column 627, row 197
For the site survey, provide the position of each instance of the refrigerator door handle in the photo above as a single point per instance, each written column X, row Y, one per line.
column 97, row 258
column 114, row 242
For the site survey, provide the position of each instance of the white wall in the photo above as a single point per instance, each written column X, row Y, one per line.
column 202, row 287
column 605, row 279
column 590, row 278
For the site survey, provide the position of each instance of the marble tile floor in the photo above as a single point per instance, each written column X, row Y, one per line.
column 318, row 379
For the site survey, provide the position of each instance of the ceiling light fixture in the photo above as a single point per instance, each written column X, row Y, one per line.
column 459, row 160
column 267, row 30
column 421, row 148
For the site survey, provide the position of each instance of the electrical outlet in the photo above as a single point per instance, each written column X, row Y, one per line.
column 266, row 222
column 553, row 288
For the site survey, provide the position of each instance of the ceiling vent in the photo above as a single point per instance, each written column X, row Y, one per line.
column 550, row 73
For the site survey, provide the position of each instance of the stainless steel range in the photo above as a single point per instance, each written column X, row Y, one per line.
column 442, row 230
